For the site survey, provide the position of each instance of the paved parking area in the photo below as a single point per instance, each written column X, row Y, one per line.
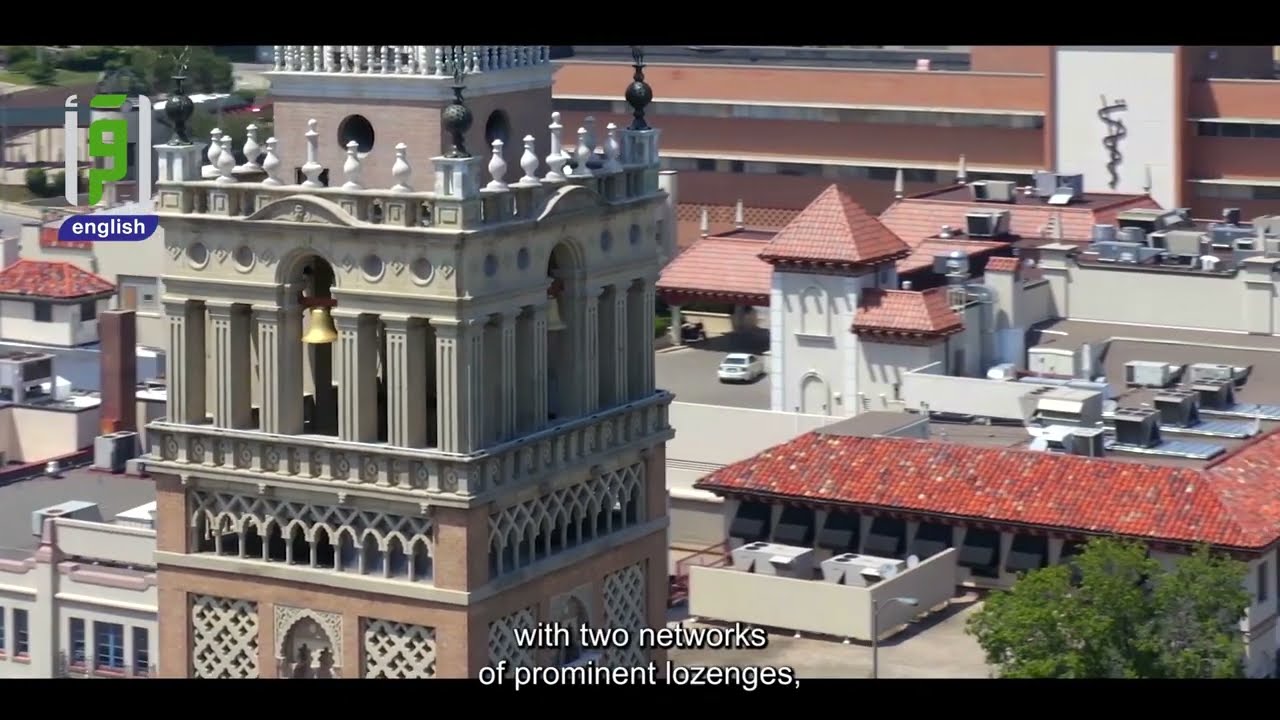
column 937, row 647
column 690, row 373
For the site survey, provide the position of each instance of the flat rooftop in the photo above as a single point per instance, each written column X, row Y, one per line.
column 962, row 194
column 112, row 493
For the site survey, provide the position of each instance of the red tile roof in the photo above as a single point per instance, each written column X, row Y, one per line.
column 834, row 230
column 1002, row 264
column 922, row 255
column 906, row 312
column 1234, row 503
column 50, row 279
column 915, row 218
column 724, row 268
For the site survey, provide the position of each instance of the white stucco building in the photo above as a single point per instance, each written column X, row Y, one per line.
column 51, row 303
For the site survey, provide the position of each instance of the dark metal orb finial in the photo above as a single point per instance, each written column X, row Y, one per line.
column 179, row 109
column 457, row 117
column 639, row 94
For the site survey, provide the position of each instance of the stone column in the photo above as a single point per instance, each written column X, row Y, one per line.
column 459, row 384
column 233, row 405
column 620, row 345
column 185, row 362
column 590, row 351
column 406, row 383
column 677, row 319
column 508, row 404
column 358, row 386
column 531, row 367
column 280, row 368
column 646, row 332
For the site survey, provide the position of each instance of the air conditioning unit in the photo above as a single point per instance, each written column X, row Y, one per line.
column 112, row 451
column 774, row 559
column 72, row 509
column 1104, row 233
column 1225, row 236
column 1216, row 372
column 987, row 224
column 994, row 190
column 1054, row 185
column 1145, row 219
column 1137, row 427
column 1216, row 395
column 1145, row 373
column 1183, row 243
column 1089, row 442
column 1134, row 235
column 1271, row 246
column 1178, row 408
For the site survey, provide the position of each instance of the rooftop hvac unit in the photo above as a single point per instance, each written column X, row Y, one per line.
column 1216, row 372
column 1239, row 256
column 773, row 559
column 1069, row 407
column 1124, row 252
column 951, row 263
column 1271, row 246
column 987, row 224
column 1183, row 243
column 1104, row 233
column 1178, row 408
column 1137, row 427
column 1216, row 394
column 1225, row 236
column 1245, row 243
column 1267, row 224
column 1144, row 219
column 860, row 570
column 1134, row 235
column 1049, row 185
column 1145, row 373
column 1089, row 442
column 73, row 509
column 993, row 190
column 1231, row 216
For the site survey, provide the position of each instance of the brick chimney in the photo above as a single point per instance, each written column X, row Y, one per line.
column 118, row 334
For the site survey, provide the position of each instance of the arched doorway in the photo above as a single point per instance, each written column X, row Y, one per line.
column 573, row 617
column 815, row 399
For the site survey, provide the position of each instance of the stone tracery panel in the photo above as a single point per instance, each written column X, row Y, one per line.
column 502, row 638
column 398, row 651
column 308, row 643
column 527, row 532
column 343, row 539
column 624, row 606
column 224, row 638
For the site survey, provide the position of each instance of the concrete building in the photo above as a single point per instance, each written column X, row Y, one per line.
column 482, row 448
column 1202, row 118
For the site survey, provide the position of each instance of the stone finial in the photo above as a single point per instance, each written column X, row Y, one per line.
column 529, row 161
column 351, row 167
column 595, row 160
column 252, row 151
column 704, row 223
column 962, row 172
column 582, row 154
column 638, row 94
column 899, row 185
column 271, row 164
column 278, row 56
column 179, row 109
column 740, row 215
column 226, row 160
column 613, row 149
column 401, row 170
column 312, row 168
column 497, row 168
column 1146, row 180
column 556, row 158
column 215, row 147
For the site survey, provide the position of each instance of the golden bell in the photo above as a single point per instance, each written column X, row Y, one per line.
column 320, row 330
column 554, row 323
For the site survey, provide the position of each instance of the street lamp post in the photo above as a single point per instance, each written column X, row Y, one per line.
column 876, row 607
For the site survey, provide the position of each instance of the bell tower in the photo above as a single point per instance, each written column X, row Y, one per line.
column 408, row 418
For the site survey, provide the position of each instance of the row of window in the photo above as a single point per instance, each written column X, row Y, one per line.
column 43, row 311
column 1237, row 192
column 812, row 114
column 1238, row 130
column 108, row 649
column 833, row 172
column 18, row 643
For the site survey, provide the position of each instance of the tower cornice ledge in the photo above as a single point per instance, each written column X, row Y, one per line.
column 417, row 88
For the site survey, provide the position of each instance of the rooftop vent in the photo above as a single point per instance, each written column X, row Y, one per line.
column 1089, row 442
column 987, row 224
column 1225, row 236
column 1145, row 373
column 946, row 231
column 1231, row 216
column 1216, row 394
column 1217, row 372
column 1183, row 243
column 1059, row 188
column 952, row 263
column 1134, row 235
column 1001, row 191
column 1138, row 427
column 72, row 509
column 1123, row 252
column 1069, row 407
column 1209, row 263
column 1178, row 408
column 1145, row 219
column 1104, row 233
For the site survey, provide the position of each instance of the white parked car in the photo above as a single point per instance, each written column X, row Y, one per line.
column 740, row 367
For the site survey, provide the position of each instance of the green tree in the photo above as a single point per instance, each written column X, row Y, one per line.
column 1113, row 612
column 37, row 182
column 155, row 66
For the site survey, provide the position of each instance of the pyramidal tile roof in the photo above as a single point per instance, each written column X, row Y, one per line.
column 51, row 279
column 834, row 230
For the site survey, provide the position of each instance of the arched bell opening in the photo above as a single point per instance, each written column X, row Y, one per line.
column 315, row 279
column 564, row 332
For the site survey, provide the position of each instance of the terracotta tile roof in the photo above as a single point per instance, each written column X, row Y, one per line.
column 834, row 230
column 916, row 218
column 906, row 312
column 728, row 268
column 1234, row 503
column 50, row 279
column 1002, row 264
column 922, row 255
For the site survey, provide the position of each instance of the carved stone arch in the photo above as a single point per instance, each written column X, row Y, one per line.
column 287, row 620
column 569, row 199
column 287, row 530
column 378, row 537
column 289, row 267
column 310, row 209
column 330, row 534
column 397, row 535
column 416, row 540
column 571, row 610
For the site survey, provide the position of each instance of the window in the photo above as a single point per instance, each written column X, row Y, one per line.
column 88, row 310
column 77, row 643
column 21, row 640
column 43, row 312
column 737, row 166
column 706, row 165
column 884, row 174
column 108, row 646
column 1263, row 581
column 141, row 651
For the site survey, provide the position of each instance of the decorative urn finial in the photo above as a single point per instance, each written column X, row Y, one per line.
column 179, row 109
column 639, row 94
column 457, row 117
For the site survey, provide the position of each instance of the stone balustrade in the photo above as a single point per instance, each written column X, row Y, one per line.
column 427, row 60
column 401, row 472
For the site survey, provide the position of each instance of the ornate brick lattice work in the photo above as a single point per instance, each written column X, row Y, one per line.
column 624, row 603
column 398, row 651
column 522, row 534
column 224, row 638
column 502, row 638
column 320, row 536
